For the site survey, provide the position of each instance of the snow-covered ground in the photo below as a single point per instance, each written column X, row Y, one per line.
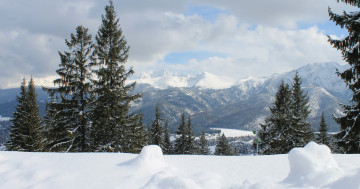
column 310, row 167
column 4, row 118
column 234, row 132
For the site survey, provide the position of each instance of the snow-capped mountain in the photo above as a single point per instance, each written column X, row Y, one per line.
column 165, row 79
column 222, row 102
column 241, row 104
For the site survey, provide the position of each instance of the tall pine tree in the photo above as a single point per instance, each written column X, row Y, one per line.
column 26, row 130
column 301, row 131
column 274, row 133
column 167, row 146
column 180, row 142
column 67, row 113
column 18, row 131
column 111, row 118
column 34, row 140
column 323, row 137
column 348, row 139
column 156, row 132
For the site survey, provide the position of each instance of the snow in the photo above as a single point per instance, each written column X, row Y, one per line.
column 234, row 132
column 4, row 118
column 310, row 167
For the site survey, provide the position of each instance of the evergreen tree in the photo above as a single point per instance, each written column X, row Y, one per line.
column 111, row 118
column 26, row 129
column 180, row 142
column 274, row 133
column 167, row 147
column 222, row 146
column 190, row 147
column 139, row 137
column 33, row 122
column 67, row 117
column 301, row 131
column 323, row 137
column 204, row 145
column 157, row 129
column 349, row 135
column 16, row 140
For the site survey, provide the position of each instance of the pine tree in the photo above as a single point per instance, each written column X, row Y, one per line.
column 110, row 113
column 34, row 140
column 274, row 133
column 190, row 147
column 139, row 137
column 16, row 140
column 167, row 146
column 323, row 137
column 222, row 146
column 26, row 130
column 301, row 131
column 204, row 145
column 349, row 135
column 180, row 142
column 157, row 129
column 67, row 116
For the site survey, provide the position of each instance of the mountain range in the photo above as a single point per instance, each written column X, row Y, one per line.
column 215, row 101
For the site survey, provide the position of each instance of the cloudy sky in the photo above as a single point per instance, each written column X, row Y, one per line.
column 231, row 37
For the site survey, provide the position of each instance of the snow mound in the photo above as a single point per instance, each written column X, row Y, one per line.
column 312, row 166
column 150, row 160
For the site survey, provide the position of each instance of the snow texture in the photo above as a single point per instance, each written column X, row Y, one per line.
column 310, row 167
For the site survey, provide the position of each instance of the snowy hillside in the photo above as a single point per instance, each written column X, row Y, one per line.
column 310, row 167
column 245, row 103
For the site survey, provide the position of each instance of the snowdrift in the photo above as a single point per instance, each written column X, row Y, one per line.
column 310, row 167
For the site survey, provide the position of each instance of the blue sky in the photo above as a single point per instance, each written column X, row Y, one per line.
column 232, row 38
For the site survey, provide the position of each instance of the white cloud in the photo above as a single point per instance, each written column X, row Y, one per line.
column 256, row 37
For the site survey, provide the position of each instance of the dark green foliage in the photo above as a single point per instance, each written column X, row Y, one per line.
column 185, row 141
column 139, row 136
column 301, row 131
column 323, row 137
column 274, row 133
column 111, row 118
column 203, row 146
column 287, row 126
column 222, row 146
column 156, row 132
column 167, row 146
column 348, row 139
column 26, row 130
column 67, row 116
column 17, row 129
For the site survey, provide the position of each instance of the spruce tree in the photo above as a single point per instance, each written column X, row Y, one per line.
column 275, row 132
column 139, row 137
column 190, row 147
column 222, row 145
column 301, row 131
column 167, row 146
column 34, row 141
column 204, row 145
column 348, row 139
column 26, row 130
column 323, row 137
column 110, row 113
column 67, row 113
column 157, row 129
column 16, row 140
column 180, row 142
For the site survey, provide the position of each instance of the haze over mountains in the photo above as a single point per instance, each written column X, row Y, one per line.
column 219, row 101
